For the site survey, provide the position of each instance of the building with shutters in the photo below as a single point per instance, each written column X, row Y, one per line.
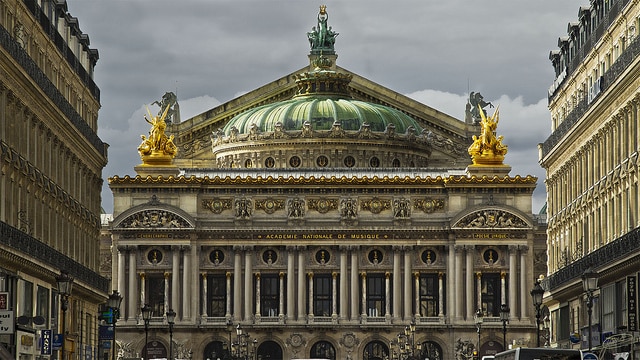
column 51, row 163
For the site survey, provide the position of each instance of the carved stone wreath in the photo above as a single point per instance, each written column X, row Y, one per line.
column 269, row 205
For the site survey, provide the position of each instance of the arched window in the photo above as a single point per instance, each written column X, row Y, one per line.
column 323, row 350
column 375, row 350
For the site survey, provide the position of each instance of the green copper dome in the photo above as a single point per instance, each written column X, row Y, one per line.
column 321, row 112
column 322, row 100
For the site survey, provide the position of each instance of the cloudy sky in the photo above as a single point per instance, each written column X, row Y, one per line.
column 210, row 51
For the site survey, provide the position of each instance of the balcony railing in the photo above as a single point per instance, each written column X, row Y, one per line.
column 626, row 59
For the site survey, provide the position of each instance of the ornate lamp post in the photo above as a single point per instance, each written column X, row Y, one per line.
column 113, row 303
column 478, row 320
column 147, row 311
column 65, row 283
column 405, row 345
column 504, row 317
column 536, row 295
column 171, row 319
column 229, row 329
column 590, row 284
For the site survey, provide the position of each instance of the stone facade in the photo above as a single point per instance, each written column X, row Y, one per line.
column 51, row 163
column 591, row 159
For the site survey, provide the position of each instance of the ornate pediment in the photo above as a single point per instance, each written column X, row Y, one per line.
column 491, row 219
column 154, row 219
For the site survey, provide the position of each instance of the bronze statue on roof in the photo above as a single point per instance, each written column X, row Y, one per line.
column 322, row 37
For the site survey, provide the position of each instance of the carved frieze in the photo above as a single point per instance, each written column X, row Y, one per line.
column 216, row 205
column 269, row 205
column 491, row 219
column 154, row 219
column 429, row 205
column 323, row 205
column 376, row 205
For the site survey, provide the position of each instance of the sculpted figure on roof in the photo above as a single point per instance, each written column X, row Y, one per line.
column 487, row 149
column 322, row 37
column 158, row 144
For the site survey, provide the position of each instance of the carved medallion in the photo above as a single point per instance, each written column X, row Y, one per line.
column 216, row 206
column 323, row 205
column 269, row 205
column 429, row 205
column 376, row 205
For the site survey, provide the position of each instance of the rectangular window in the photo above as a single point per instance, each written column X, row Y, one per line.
column 42, row 303
column 429, row 295
column 322, row 291
column 491, row 294
column 563, row 329
column 25, row 298
column 269, row 295
column 608, row 308
column 155, row 294
column 621, row 304
column 217, row 295
column 376, row 300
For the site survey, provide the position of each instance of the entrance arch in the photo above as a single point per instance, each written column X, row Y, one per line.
column 215, row 350
column 431, row 350
column 269, row 350
column 155, row 350
column 323, row 350
column 375, row 350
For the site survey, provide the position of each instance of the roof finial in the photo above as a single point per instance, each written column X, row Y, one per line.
column 322, row 37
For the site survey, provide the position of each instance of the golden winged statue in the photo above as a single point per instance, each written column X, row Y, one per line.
column 487, row 149
column 157, row 148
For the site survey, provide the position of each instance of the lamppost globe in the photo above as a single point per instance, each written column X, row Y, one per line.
column 478, row 320
column 589, row 285
column 65, row 284
column 171, row 319
column 504, row 317
column 113, row 303
column 147, row 312
column 536, row 295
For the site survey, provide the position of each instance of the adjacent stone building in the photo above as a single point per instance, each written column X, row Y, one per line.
column 591, row 159
column 323, row 216
column 51, row 163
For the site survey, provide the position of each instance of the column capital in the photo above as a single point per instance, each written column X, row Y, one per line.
column 166, row 275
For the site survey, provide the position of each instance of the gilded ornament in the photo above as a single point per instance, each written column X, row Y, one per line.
column 216, row 206
column 157, row 149
column 487, row 149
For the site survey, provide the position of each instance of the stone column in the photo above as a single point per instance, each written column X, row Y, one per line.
column 166, row 293
column 525, row 296
column 301, row 283
column 257, row 291
column 479, row 291
column 311, row 311
column 228, row 305
column 344, row 298
column 281, row 297
column 186, row 283
column 205, row 300
column 334, row 295
column 387, row 295
column 397, row 290
column 175, row 281
column 237, row 284
column 354, row 285
column 503, row 287
column 459, row 283
column 143, row 296
column 440, row 295
column 416, row 286
column 469, row 281
column 407, row 281
column 248, row 282
column 513, row 270
column 133, row 285
column 363, row 277
column 291, row 291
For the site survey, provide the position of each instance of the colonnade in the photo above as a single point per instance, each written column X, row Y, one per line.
column 459, row 285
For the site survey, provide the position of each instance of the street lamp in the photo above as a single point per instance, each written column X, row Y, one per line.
column 406, row 345
column 113, row 303
column 478, row 320
column 536, row 295
column 65, row 283
column 147, row 311
column 504, row 317
column 590, row 284
column 171, row 319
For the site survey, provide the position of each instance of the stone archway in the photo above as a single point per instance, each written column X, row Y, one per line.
column 269, row 350
column 215, row 350
column 375, row 350
column 323, row 350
